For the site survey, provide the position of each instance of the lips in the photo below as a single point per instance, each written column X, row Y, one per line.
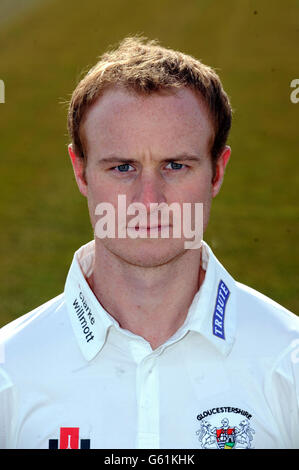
column 148, row 229
column 151, row 228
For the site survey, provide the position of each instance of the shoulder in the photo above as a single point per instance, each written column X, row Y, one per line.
column 265, row 322
column 28, row 323
column 37, row 339
column 255, row 302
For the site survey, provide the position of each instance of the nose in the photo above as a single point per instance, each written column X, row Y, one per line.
column 149, row 189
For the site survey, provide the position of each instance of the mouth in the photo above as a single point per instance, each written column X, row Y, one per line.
column 150, row 228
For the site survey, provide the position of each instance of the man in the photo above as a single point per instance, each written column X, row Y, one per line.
column 152, row 344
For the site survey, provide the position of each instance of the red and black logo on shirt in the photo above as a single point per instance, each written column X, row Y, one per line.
column 69, row 439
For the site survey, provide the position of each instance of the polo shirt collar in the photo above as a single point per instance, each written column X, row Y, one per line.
column 90, row 321
column 211, row 313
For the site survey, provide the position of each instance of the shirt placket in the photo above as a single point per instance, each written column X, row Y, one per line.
column 147, row 392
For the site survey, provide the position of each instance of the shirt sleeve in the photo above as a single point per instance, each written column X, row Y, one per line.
column 282, row 392
column 6, row 410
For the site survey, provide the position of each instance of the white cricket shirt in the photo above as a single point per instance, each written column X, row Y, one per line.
column 227, row 379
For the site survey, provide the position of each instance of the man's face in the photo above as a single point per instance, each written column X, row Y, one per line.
column 152, row 149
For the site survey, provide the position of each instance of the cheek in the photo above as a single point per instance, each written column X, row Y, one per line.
column 97, row 188
column 100, row 191
column 94, row 195
column 200, row 190
column 202, row 193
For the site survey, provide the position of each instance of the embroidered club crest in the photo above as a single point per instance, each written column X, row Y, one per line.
column 225, row 436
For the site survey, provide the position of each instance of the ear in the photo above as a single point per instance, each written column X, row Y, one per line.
column 78, row 167
column 220, row 168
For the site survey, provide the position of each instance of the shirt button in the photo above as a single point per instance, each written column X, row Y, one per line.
column 199, row 378
column 150, row 364
column 139, row 350
column 147, row 403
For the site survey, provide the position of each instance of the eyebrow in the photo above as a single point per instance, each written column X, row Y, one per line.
column 115, row 158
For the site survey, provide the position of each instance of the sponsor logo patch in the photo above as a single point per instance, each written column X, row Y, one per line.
column 69, row 439
column 219, row 311
column 225, row 428
column 84, row 316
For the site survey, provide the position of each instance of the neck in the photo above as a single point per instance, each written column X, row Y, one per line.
column 150, row 302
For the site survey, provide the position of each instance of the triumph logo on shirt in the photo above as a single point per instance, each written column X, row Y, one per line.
column 225, row 431
column 69, row 439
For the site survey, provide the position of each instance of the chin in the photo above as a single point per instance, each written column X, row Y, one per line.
column 147, row 253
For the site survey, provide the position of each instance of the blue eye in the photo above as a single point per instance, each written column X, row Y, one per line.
column 175, row 165
column 123, row 168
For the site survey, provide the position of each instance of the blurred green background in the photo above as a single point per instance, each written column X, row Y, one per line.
column 45, row 48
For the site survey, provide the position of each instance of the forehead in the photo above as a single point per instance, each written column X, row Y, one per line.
column 124, row 121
